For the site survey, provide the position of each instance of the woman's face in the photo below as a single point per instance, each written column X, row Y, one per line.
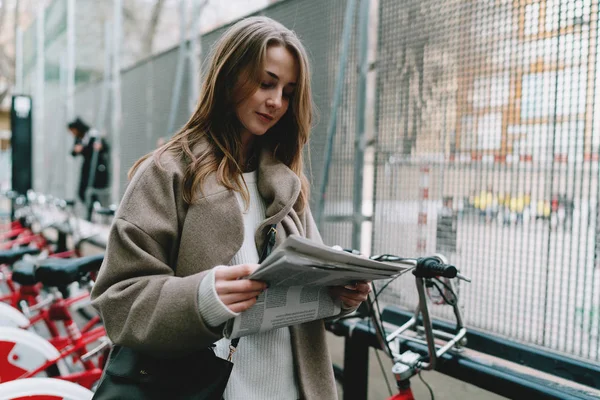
column 262, row 110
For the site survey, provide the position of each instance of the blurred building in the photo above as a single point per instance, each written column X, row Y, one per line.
column 512, row 81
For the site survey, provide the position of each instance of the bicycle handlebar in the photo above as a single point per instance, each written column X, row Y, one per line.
column 424, row 269
column 432, row 267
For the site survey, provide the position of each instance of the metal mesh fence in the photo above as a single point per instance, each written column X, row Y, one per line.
column 488, row 152
column 487, row 143
column 147, row 89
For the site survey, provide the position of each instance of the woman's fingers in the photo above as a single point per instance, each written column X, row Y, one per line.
column 350, row 303
column 236, row 293
column 233, row 298
column 351, row 297
column 239, row 286
column 362, row 287
column 235, row 272
column 242, row 305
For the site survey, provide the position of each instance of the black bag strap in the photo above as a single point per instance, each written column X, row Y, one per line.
column 269, row 243
column 267, row 249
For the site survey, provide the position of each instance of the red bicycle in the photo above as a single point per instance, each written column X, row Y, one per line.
column 55, row 275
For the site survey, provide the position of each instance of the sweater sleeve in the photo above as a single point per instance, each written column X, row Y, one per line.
column 211, row 308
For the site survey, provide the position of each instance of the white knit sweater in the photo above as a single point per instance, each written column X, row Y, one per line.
column 263, row 363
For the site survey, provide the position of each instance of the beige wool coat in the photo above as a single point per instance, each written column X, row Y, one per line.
column 160, row 249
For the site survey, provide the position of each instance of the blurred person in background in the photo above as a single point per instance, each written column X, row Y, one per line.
column 196, row 213
column 87, row 142
column 446, row 228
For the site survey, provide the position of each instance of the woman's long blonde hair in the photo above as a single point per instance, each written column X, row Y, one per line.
column 241, row 51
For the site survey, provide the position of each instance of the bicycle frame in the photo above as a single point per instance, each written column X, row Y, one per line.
column 74, row 344
column 85, row 378
column 430, row 334
column 12, row 233
column 59, row 310
column 27, row 237
column 10, row 226
column 408, row 363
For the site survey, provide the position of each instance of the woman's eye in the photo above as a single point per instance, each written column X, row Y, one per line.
column 266, row 85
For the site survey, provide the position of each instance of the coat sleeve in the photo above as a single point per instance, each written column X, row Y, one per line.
column 75, row 143
column 143, row 304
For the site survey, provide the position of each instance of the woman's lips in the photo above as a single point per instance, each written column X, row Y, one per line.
column 265, row 117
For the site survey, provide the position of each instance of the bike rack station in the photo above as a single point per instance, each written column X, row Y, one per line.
column 492, row 363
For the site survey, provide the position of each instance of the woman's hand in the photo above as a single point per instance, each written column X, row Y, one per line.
column 236, row 293
column 351, row 295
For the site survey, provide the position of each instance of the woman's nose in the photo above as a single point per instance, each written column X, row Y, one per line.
column 274, row 101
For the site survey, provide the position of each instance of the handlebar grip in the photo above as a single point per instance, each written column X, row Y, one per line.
column 431, row 267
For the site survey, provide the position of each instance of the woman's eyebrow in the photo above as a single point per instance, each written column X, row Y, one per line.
column 273, row 75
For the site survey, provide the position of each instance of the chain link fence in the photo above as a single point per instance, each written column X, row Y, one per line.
column 484, row 135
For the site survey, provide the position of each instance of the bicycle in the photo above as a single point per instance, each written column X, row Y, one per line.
column 55, row 305
column 27, row 243
column 39, row 245
column 55, row 274
column 431, row 274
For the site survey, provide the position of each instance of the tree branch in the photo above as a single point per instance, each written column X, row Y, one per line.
column 2, row 14
column 151, row 28
column 197, row 12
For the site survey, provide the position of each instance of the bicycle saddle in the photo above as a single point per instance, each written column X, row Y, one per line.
column 12, row 255
column 24, row 273
column 63, row 271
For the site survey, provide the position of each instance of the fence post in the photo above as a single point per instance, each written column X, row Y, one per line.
column 360, row 142
column 39, row 100
column 116, row 101
column 423, row 205
column 337, row 97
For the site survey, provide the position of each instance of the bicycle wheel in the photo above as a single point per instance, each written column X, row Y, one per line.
column 43, row 388
column 22, row 351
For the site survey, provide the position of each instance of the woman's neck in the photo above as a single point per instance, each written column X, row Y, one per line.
column 248, row 162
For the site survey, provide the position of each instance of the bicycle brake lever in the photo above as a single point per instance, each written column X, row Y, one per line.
column 104, row 342
column 463, row 278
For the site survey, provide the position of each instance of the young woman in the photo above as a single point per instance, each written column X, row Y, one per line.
column 198, row 209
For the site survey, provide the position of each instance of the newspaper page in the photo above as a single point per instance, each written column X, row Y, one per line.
column 299, row 273
column 282, row 306
column 293, row 269
column 298, row 244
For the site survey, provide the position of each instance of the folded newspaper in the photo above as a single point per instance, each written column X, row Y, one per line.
column 299, row 273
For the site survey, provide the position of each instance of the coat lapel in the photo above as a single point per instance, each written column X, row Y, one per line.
column 280, row 187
